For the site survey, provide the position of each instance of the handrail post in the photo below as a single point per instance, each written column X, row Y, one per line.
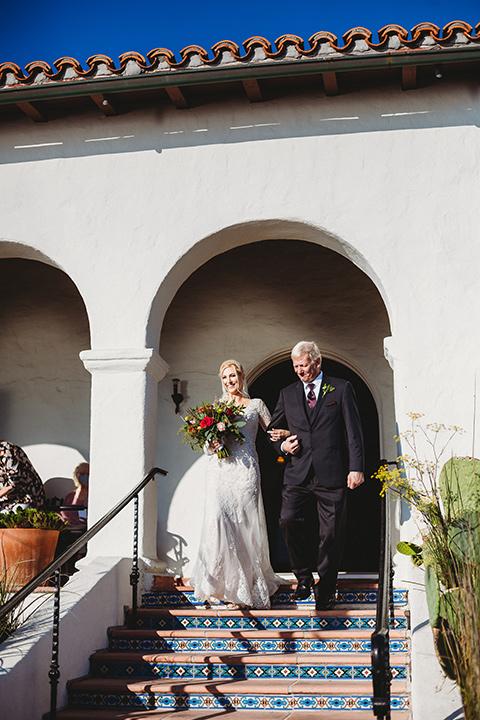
column 381, row 671
column 54, row 672
column 134, row 575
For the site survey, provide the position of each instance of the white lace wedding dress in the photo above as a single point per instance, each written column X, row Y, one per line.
column 233, row 564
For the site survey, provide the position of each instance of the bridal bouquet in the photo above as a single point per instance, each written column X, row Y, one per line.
column 213, row 421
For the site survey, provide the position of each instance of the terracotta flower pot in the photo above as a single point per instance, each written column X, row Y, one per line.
column 24, row 552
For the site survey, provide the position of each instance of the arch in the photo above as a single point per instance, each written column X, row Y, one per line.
column 45, row 389
column 244, row 234
column 15, row 249
column 24, row 251
column 253, row 301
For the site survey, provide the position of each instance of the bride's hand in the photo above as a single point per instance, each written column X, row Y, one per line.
column 214, row 445
column 278, row 434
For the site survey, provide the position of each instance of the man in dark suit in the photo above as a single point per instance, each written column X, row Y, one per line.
column 324, row 456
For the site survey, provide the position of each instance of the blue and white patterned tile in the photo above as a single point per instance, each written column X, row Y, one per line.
column 314, row 622
column 307, row 645
column 253, row 671
column 233, row 701
column 186, row 598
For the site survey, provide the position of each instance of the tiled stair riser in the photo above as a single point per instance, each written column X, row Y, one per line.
column 186, row 598
column 173, row 644
column 234, row 702
column 208, row 671
column 245, row 622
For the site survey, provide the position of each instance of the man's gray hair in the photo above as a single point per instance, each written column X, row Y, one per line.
column 306, row 347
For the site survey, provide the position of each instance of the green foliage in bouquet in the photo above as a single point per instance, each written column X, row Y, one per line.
column 31, row 518
column 219, row 421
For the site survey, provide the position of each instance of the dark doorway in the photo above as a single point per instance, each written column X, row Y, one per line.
column 363, row 504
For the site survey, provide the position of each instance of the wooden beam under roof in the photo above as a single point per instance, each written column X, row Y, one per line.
column 252, row 88
column 330, row 83
column 409, row 77
column 177, row 97
column 31, row 111
column 105, row 105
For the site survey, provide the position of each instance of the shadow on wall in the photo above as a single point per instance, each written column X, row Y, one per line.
column 211, row 124
column 173, row 552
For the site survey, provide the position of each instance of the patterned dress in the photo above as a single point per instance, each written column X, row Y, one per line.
column 17, row 471
column 233, row 564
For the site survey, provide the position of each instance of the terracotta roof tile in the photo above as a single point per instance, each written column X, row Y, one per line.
column 256, row 50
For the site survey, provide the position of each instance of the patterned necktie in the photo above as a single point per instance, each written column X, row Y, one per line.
column 311, row 399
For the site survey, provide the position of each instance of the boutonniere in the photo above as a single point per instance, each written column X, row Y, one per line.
column 326, row 389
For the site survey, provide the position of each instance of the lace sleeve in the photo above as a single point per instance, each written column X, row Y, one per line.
column 264, row 416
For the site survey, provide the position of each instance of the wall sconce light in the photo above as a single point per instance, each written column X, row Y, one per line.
column 177, row 396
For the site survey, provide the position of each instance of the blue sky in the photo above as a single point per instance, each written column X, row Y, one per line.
column 35, row 30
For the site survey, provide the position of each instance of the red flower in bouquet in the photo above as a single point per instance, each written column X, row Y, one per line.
column 206, row 422
column 209, row 422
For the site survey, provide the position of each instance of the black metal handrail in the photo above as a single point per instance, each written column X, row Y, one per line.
column 55, row 565
column 380, row 640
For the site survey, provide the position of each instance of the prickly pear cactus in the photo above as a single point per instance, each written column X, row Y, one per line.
column 433, row 595
column 464, row 537
column 460, row 486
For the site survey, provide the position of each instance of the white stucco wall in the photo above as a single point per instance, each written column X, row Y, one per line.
column 130, row 206
column 27, row 655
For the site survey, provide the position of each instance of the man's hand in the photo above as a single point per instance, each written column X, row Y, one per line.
column 278, row 434
column 355, row 479
column 291, row 445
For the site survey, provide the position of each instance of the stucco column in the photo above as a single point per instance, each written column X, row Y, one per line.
column 123, row 446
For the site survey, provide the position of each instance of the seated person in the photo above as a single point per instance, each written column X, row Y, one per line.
column 20, row 484
column 77, row 519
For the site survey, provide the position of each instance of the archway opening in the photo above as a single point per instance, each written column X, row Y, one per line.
column 44, row 387
column 252, row 303
column 363, row 505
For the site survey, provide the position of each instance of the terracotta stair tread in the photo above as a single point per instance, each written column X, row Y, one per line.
column 227, row 686
column 148, row 633
column 245, row 658
column 342, row 610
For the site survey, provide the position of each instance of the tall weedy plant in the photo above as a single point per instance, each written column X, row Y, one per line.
column 446, row 497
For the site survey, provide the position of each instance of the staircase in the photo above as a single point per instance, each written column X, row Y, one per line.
column 287, row 662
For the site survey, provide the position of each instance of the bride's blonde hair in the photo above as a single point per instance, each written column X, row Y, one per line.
column 240, row 374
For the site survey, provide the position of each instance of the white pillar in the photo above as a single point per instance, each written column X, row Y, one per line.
column 123, row 446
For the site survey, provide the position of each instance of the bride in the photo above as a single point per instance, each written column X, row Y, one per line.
column 233, row 564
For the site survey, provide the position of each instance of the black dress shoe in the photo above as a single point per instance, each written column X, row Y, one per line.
column 303, row 591
column 324, row 605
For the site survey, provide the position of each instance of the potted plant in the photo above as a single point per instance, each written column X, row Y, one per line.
column 28, row 539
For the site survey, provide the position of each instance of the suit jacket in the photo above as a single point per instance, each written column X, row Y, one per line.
column 330, row 435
